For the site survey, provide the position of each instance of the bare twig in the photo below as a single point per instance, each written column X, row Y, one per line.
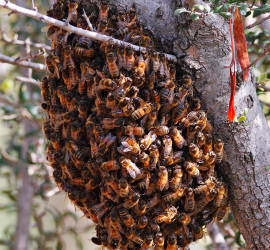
column 263, row 87
column 88, row 21
column 94, row 35
column 266, row 50
column 15, row 41
column 257, row 23
column 216, row 236
column 35, row 66
column 27, row 80
column 30, row 56
column 266, row 104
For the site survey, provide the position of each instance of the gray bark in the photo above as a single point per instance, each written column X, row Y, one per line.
column 247, row 147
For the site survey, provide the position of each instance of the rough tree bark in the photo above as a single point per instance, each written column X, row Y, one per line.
column 208, row 45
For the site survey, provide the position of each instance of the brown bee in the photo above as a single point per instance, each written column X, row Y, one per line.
column 155, row 61
column 103, row 11
column 218, row 146
column 161, row 130
column 178, row 112
column 176, row 181
column 200, row 139
column 145, row 159
column 130, row 145
column 84, row 52
column 131, row 167
column 126, row 217
column 167, row 92
column 167, row 215
column 171, row 242
column 163, row 182
column 142, row 222
column 208, row 144
column 159, row 241
column 72, row 10
column 210, row 195
column 154, row 156
column 167, row 148
column 195, row 104
column 170, row 197
column 185, row 220
column 140, row 208
column 132, row 201
column 68, row 61
column 123, row 31
column 130, row 59
column 178, row 139
column 139, row 113
column 109, row 123
column 123, row 187
column 113, row 68
column 148, row 242
column 121, row 57
column 74, row 150
column 195, row 152
column 221, row 198
column 102, row 27
column 222, row 211
column 202, row 189
column 174, row 158
column 189, row 201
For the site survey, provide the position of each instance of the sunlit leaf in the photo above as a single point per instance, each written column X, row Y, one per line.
column 194, row 17
column 245, row 111
column 179, row 11
column 261, row 10
column 198, row 6
column 226, row 14
column 267, row 167
column 241, row 119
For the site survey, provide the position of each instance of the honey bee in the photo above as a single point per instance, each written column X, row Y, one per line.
column 121, row 57
column 113, row 68
column 148, row 242
column 209, row 159
column 109, row 123
column 195, row 104
column 132, row 201
column 167, row 92
column 172, row 242
column 208, row 144
column 126, row 217
column 222, row 211
column 185, row 220
column 221, row 198
column 161, row 130
column 45, row 91
column 55, row 140
column 218, row 146
column 176, row 181
column 167, row 148
column 102, row 27
column 178, row 112
column 145, row 159
column 72, row 10
column 202, row 189
column 163, row 69
column 84, row 52
column 68, row 61
column 106, row 142
column 103, row 11
column 130, row 59
column 174, row 158
column 176, row 196
column 154, row 156
column 210, row 195
column 74, row 150
column 166, row 216
column 123, row 31
column 131, row 167
column 166, row 108
column 94, row 148
column 189, row 201
column 140, row 208
column 139, row 113
column 155, row 61
column 110, row 166
column 123, row 187
column 102, row 208
column 178, row 139
column 195, row 152
column 131, row 15
column 130, row 145
column 163, row 182
column 200, row 139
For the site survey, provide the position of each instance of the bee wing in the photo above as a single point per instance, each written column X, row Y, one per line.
column 153, row 137
column 125, row 144
column 170, row 99
column 82, row 78
column 143, row 121
column 131, row 172
column 161, row 84
column 91, row 71
column 100, row 74
column 135, row 168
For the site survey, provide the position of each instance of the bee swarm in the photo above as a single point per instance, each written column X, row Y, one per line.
column 128, row 141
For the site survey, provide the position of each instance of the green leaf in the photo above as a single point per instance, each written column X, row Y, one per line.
column 267, row 167
column 179, row 11
column 198, row 6
column 218, row 9
column 226, row 6
column 262, row 76
column 265, row 81
column 194, row 17
column 207, row 8
column 245, row 111
column 242, row 118
column 242, row 11
column 261, row 10
column 248, row 14
column 226, row 14
column 235, row 119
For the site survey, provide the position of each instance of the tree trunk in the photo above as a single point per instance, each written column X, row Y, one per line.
column 207, row 43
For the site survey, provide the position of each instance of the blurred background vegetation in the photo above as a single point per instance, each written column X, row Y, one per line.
column 26, row 188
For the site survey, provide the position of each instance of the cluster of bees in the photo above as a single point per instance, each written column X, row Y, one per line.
column 128, row 140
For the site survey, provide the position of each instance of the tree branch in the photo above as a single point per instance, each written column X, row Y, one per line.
column 94, row 35
column 257, row 23
column 27, row 80
column 263, row 87
column 29, row 56
column 35, row 66
column 216, row 237
column 15, row 41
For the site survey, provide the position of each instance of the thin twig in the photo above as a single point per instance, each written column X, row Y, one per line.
column 88, row 21
column 15, row 41
column 216, row 237
column 263, row 87
column 266, row 50
column 265, row 103
column 257, row 23
column 94, row 35
column 27, row 80
column 30, row 56
column 35, row 66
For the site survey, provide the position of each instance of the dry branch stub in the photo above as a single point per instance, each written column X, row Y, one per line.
column 128, row 139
